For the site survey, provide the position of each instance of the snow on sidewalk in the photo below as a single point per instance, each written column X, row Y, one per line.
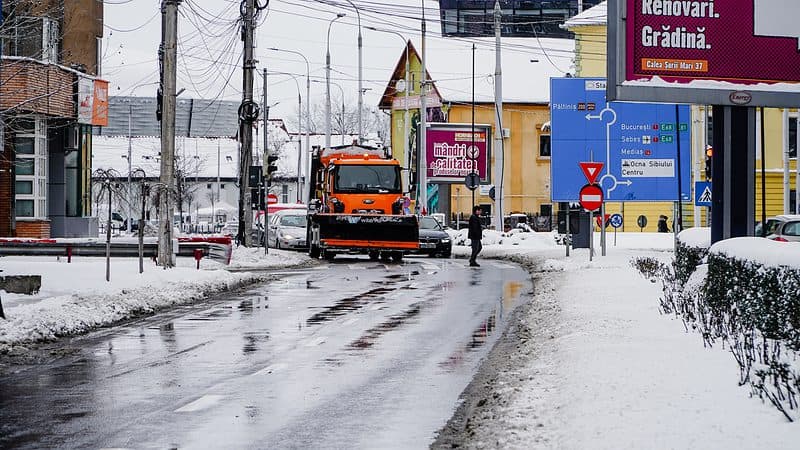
column 75, row 298
column 605, row 370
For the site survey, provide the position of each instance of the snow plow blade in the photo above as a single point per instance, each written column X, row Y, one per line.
column 365, row 231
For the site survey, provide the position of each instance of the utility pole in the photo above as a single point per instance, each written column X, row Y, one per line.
column 169, row 53
column 422, row 155
column 248, row 114
column 130, row 151
column 498, row 122
column 264, row 166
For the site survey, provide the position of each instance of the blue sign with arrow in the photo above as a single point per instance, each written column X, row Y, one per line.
column 636, row 142
column 615, row 220
column 702, row 193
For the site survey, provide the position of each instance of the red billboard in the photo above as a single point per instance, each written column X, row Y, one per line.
column 744, row 41
column 705, row 51
column 453, row 152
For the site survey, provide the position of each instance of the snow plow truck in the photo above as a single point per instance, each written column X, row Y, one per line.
column 357, row 205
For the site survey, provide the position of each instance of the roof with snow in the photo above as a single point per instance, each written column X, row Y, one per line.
column 527, row 64
column 596, row 15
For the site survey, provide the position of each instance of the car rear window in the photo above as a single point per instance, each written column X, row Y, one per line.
column 792, row 229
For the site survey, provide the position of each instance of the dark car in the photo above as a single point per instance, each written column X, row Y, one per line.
column 433, row 240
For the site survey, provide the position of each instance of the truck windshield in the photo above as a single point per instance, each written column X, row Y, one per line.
column 373, row 178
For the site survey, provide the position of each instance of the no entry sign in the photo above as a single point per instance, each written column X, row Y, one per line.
column 591, row 197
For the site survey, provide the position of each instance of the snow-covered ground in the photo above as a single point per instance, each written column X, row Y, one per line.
column 75, row 297
column 598, row 367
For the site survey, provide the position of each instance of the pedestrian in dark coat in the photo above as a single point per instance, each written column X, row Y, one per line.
column 662, row 224
column 475, row 235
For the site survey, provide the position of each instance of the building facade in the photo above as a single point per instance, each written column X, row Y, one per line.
column 50, row 96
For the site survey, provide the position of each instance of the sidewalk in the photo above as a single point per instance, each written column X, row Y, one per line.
column 603, row 369
column 75, row 297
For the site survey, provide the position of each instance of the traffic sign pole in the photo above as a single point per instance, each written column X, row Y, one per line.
column 591, row 235
column 603, row 229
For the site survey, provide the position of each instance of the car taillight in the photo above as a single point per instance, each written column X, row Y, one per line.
column 779, row 239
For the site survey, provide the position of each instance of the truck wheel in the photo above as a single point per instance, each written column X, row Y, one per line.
column 373, row 256
column 328, row 255
column 397, row 256
column 385, row 256
column 313, row 251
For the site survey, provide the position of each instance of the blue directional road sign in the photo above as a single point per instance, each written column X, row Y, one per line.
column 637, row 142
column 702, row 193
column 615, row 220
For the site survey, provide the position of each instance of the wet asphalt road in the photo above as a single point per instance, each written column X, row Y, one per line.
column 351, row 354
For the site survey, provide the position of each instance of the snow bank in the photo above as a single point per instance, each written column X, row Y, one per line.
column 699, row 237
column 764, row 251
column 75, row 297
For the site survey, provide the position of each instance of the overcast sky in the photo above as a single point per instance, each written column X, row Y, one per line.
column 209, row 52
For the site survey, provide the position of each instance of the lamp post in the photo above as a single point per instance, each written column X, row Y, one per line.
column 422, row 155
column 328, row 82
column 406, row 87
column 308, row 99
column 299, row 118
column 361, row 90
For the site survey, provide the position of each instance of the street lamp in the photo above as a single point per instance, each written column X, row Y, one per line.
column 360, row 72
column 328, row 82
column 308, row 98
column 406, row 87
column 299, row 118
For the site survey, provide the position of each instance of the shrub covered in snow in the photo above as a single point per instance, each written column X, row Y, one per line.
column 749, row 298
column 692, row 248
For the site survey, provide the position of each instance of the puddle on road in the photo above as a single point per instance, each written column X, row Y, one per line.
column 253, row 340
column 487, row 328
column 368, row 339
column 347, row 305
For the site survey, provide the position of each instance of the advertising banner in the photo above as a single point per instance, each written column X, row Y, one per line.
column 453, row 152
column 85, row 100
column 100, row 106
column 637, row 144
column 747, row 52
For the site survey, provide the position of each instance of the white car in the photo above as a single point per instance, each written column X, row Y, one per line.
column 287, row 229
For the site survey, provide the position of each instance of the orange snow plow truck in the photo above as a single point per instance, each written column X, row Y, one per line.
column 357, row 204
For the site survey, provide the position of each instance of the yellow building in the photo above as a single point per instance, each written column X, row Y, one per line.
column 526, row 116
column 780, row 136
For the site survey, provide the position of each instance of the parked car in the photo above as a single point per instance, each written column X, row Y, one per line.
column 287, row 229
column 784, row 228
column 433, row 240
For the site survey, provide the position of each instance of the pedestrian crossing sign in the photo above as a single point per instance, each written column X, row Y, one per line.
column 702, row 193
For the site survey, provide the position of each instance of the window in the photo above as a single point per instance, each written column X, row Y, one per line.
column 34, row 37
column 208, row 185
column 222, row 186
column 285, row 193
column 793, row 137
column 30, row 164
column 544, row 146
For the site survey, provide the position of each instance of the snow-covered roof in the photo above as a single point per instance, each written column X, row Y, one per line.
column 449, row 63
column 198, row 156
column 596, row 15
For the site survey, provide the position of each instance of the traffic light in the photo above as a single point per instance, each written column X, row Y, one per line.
column 271, row 164
column 709, row 152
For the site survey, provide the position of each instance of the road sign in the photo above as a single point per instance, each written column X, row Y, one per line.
column 272, row 199
column 591, row 170
column 472, row 181
column 641, row 221
column 702, row 193
column 591, row 197
column 637, row 143
column 615, row 220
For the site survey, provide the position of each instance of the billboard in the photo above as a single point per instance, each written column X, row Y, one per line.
column 92, row 101
column 636, row 142
column 733, row 52
column 520, row 18
column 453, row 152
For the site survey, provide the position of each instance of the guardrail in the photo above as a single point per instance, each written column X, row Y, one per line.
column 218, row 248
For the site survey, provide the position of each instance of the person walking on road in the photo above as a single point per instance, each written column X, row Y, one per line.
column 475, row 234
